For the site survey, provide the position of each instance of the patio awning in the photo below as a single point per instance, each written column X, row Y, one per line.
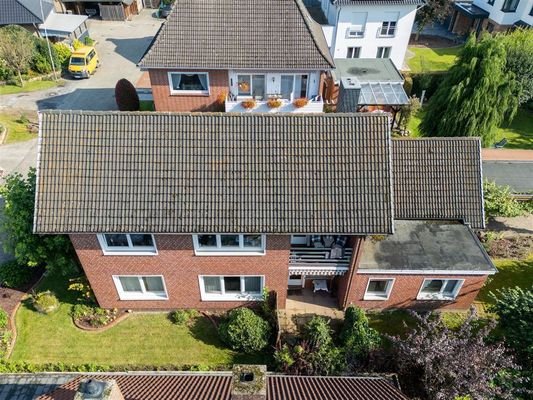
column 471, row 10
column 61, row 25
column 317, row 271
column 382, row 93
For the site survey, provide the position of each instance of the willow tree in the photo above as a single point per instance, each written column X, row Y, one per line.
column 476, row 95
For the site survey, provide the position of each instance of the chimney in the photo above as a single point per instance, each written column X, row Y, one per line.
column 92, row 389
column 249, row 382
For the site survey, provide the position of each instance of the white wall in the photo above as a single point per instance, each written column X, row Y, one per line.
column 369, row 44
column 508, row 18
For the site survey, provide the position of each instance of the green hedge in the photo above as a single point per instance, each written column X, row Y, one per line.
column 22, row 367
column 429, row 81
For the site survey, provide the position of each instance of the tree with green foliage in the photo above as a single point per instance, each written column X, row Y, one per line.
column 476, row 96
column 29, row 249
column 357, row 337
column 433, row 11
column 16, row 49
column 519, row 47
column 245, row 331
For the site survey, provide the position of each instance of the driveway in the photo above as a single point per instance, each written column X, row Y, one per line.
column 120, row 45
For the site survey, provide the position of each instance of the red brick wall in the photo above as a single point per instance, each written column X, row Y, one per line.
column 180, row 267
column 164, row 101
column 406, row 288
column 345, row 282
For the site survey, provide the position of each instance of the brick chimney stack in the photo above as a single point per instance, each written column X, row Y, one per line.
column 249, row 382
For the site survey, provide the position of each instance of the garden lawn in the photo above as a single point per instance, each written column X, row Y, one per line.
column 510, row 273
column 426, row 59
column 17, row 130
column 519, row 133
column 31, row 86
column 144, row 339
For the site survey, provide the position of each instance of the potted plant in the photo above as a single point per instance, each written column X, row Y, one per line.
column 248, row 104
column 299, row 103
column 244, row 86
column 274, row 102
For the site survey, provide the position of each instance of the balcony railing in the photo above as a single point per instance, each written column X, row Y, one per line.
column 314, row 105
column 319, row 258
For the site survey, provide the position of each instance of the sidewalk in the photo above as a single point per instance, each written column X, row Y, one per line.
column 507, row 155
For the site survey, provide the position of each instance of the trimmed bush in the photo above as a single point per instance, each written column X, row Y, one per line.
column 126, row 96
column 63, row 54
column 182, row 317
column 4, row 318
column 14, row 274
column 45, row 302
column 245, row 331
column 357, row 336
column 318, row 332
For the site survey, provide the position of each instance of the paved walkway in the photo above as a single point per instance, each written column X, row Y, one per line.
column 30, row 386
column 506, row 155
column 512, row 226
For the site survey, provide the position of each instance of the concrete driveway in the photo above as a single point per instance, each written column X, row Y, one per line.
column 120, row 46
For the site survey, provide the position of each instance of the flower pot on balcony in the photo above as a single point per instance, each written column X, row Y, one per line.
column 274, row 103
column 299, row 103
column 248, row 104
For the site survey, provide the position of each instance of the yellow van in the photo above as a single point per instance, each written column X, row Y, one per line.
column 83, row 62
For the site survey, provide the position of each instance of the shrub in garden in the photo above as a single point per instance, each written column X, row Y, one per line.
column 45, row 302
column 88, row 41
column 93, row 316
column 245, row 331
column 41, row 61
column 63, row 54
column 4, row 318
column 126, row 96
column 14, row 275
column 318, row 332
column 182, row 317
column 500, row 203
column 357, row 337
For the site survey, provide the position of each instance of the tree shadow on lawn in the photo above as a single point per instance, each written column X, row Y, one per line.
column 203, row 330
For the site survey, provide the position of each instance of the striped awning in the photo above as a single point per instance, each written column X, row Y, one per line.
column 317, row 271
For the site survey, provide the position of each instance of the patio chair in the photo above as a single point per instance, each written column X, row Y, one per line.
column 500, row 144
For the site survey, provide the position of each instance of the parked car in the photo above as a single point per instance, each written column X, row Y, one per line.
column 83, row 62
column 164, row 9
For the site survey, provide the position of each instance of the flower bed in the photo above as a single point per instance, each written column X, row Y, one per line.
column 90, row 317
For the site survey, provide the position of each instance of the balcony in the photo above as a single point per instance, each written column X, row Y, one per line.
column 314, row 105
column 312, row 260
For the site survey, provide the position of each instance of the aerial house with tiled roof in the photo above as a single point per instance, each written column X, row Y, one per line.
column 236, row 55
column 205, row 210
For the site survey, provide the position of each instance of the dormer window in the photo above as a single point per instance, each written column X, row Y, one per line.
column 188, row 82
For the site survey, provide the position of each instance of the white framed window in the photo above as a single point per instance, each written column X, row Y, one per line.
column 353, row 52
column 188, row 82
column 440, row 289
column 251, row 85
column 293, row 86
column 388, row 29
column 140, row 287
column 357, row 27
column 229, row 244
column 231, row 287
column 383, row 52
column 127, row 243
column 378, row 288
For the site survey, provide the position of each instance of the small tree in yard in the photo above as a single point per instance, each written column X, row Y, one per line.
column 433, row 11
column 476, row 95
column 519, row 47
column 29, row 249
column 126, row 96
column 16, row 49
column 434, row 362
column 358, row 338
column 245, row 331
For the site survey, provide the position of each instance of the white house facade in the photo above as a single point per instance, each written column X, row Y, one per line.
column 369, row 28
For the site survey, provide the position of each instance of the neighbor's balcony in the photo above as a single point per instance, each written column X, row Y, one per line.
column 303, row 258
column 314, row 105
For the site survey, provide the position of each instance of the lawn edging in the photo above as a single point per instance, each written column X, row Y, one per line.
column 120, row 318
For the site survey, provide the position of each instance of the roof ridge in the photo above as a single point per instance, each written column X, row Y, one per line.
column 309, row 21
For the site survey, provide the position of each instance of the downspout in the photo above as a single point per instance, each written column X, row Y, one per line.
column 352, row 272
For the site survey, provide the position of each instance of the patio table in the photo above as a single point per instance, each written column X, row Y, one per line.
column 320, row 284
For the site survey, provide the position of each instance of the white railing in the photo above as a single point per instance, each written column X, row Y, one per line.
column 318, row 257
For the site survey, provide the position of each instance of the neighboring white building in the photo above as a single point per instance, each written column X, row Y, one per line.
column 369, row 28
column 492, row 15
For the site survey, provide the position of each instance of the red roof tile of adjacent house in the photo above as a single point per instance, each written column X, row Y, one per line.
column 217, row 386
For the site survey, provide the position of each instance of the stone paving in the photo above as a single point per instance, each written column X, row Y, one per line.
column 30, row 386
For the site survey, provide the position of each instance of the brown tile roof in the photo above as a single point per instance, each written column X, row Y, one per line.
column 224, row 173
column 438, row 178
column 224, row 34
column 376, row 2
column 174, row 386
